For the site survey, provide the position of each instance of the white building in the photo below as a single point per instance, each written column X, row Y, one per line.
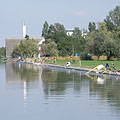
column 24, row 30
column 11, row 42
column 70, row 32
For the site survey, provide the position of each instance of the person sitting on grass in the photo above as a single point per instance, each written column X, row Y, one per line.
column 107, row 67
column 67, row 64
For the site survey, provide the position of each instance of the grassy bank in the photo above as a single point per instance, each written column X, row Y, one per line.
column 87, row 63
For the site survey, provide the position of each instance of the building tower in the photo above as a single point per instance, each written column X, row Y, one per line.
column 24, row 30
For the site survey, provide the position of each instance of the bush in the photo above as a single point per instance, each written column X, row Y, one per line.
column 86, row 56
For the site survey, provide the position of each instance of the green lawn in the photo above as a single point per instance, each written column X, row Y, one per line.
column 87, row 63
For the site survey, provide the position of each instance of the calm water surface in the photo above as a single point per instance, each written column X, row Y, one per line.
column 30, row 92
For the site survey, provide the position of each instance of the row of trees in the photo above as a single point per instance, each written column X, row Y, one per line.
column 102, row 38
column 63, row 44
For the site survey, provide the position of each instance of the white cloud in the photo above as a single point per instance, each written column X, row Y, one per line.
column 80, row 14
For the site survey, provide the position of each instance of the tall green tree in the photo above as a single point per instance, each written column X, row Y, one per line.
column 78, row 41
column 27, row 37
column 45, row 29
column 16, row 52
column 91, row 26
column 101, row 42
column 110, row 26
column 50, row 49
column 57, row 27
column 57, row 33
column 2, row 52
column 27, row 48
column 51, row 31
column 64, row 43
column 113, row 19
column 31, row 48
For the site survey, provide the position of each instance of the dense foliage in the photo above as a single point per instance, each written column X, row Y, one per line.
column 2, row 52
column 28, row 48
column 50, row 49
column 66, row 45
column 102, row 39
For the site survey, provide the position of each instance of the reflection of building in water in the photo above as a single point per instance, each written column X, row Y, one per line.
column 17, row 73
column 12, row 42
column 100, row 80
column 25, row 95
column 11, row 76
column 23, row 77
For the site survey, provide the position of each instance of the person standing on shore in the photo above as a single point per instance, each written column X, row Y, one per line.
column 54, row 60
column 113, row 67
column 71, row 57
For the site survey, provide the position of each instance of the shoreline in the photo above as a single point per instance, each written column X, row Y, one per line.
column 71, row 68
column 78, row 69
column 64, row 67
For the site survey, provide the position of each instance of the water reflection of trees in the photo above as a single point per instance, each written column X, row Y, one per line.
column 26, row 72
column 57, row 82
column 109, row 91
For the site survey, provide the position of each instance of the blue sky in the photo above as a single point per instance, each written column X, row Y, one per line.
column 70, row 13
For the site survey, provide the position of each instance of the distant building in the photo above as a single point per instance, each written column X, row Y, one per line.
column 12, row 42
column 69, row 32
column 84, row 34
column 24, row 30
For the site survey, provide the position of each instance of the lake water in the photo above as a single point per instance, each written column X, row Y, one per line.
column 30, row 92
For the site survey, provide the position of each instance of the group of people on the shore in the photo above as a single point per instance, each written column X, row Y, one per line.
column 53, row 60
column 107, row 67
